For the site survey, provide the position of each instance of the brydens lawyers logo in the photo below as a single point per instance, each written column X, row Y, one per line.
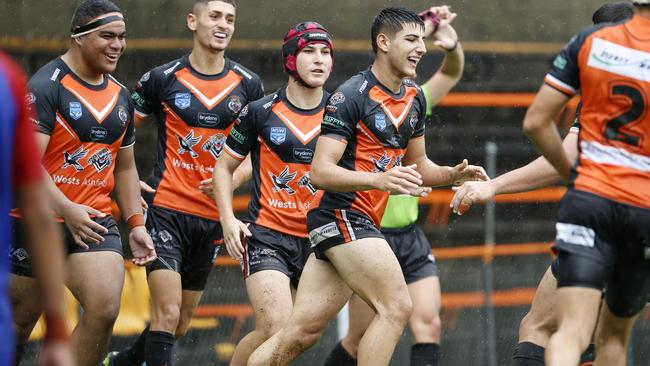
column 186, row 143
column 281, row 181
column 75, row 110
column 182, row 100
column 101, row 159
column 72, row 159
column 278, row 135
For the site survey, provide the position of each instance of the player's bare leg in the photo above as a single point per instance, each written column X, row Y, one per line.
column 321, row 294
column 269, row 293
column 96, row 280
column 612, row 336
column 541, row 320
column 361, row 315
column 577, row 309
column 425, row 319
column 26, row 309
column 189, row 302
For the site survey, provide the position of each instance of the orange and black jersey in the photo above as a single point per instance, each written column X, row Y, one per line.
column 610, row 65
column 194, row 112
column 377, row 126
column 87, row 125
column 281, row 139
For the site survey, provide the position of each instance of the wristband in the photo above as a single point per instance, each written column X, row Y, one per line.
column 55, row 329
column 135, row 220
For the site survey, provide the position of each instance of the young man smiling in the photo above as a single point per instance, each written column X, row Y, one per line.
column 194, row 100
column 85, row 130
column 371, row 145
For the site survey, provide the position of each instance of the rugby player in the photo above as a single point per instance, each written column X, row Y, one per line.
column 371, row 145
column 86, row 137
column 408, row 241
column 540, row 322
column 22, row 183
column 194, row 100
column 602, row 237
column 280, row 132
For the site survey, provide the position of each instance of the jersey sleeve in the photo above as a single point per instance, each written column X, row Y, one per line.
column 564, row 75
column 255, row 89
column 129, row 134
column 26, row 165
column 419, row 128
column 243, row 134
column 342, row 113
column 145, row 95
column 42, row 103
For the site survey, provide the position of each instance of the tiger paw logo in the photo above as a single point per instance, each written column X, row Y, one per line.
column 381, row 164
column 72, row 159
column 215, row 145
column 187, row 143
column 101, row 159
column 305, row 181
column 281, row 181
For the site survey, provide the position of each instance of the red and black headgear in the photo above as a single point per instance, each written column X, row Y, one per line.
column 297, row 38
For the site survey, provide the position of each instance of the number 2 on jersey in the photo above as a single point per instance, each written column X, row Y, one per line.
column 636, row 111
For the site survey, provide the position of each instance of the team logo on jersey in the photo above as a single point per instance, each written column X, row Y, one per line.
column 208, row 119
column 20, row 254
column 101, row 159
column 281, row 181
column 122, row 114
column 98, row 134
column 234, row 104
column 305, row 181
column 337, row 98
column 244, row 112
column 145, row 77
column 413, row 119
column 215, row 145
column 73, row 159
column 182, row 100
column 398, row 160
column 380, row 122
column 381, row 164
column 278, row 135
column 75, row 110
column 30, row 98
column 186, row 143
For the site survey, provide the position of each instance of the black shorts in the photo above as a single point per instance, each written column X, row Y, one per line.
column 331, row 227
column 603, row 243
column 20, row 263
column 184, row 243
column 413, row 252
column 268, row 249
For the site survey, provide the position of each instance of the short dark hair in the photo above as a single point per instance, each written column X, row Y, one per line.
column 88, row 10
column 204, row 2
column 613, row 12
column 392, row 20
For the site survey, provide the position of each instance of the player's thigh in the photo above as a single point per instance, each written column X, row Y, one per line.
column 269, row 292
column 370, row 269
column 360, row 317
column 96, row 280
column 165, row 288
column 321, row 294
column 25, row 303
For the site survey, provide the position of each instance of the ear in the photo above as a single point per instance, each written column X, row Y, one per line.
column 78, row 41
column 191, row 21
column 383, row 42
